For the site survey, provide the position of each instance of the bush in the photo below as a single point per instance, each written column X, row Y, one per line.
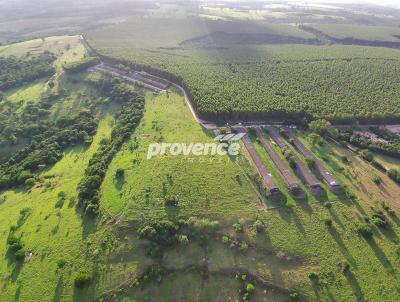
column 258, row 225
column 313, row 275
column 310, row 163
column 377, row 180
column 379, row 220
column 120, row 173
column 250, row 288
column 345, row 267
column 365, row 230
column 344, row 159
column 294, row 296
column 225, row 239
column 394, row 175
column 82, row 279
column 20, row 254
column 328, row 222
column 367, row 155
column 30, row 182
column 171, row 201
column 238, row 227
column 61, row 263
column 183, row 239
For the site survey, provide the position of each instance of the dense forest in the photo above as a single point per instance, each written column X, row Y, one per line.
column 231, row 80
column 15, row 72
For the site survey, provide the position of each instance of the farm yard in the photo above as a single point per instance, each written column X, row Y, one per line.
column 307, row 210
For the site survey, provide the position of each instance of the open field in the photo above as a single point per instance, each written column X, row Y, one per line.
column 362, row 32
column 197, row 181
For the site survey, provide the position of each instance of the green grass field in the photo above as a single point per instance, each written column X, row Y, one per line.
column 206, row 186
column 363, row 32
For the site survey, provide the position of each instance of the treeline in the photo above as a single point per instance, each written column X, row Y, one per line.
column 126, row 122
column 46, row 149
column 389, row 147
column 15, row 72
column 78, row 66
column 280, row 82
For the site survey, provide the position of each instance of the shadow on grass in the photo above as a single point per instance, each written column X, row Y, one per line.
column 330, row 295
column 389, row 233
column 119, row 182
column 335, row 217
column 305, row 206
column 59, row 289
column 18, row 293
column 290, row 215
column 322, row 196
column 172, row 212
column 395, row 219
column 16, row 271
column 89, row 224
column 381, row 255
column 336, row 236
column 355, row 286
column 316, row 289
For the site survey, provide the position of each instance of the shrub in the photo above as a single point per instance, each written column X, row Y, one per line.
column 61, row 263
column 344, row 159
column 310, row 163
column 367, row 155
column 30, row 182
column 258, row 225
column 171, row 201
column 328, row 205
column 394, row 175
column 20, row 254
column 345, row 266
column 365, row 230
column 203, row 225
column 183, row 239
column 82, row 279
column 120, row 173
column 328, row 222
column 379, row 220
column 377, row 180
column 238, row 227
column 250, row 288
column 313, row 275
column 292, row 163
column 62, row 195
column 294, row 296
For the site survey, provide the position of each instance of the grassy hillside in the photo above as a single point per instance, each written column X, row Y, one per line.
column 206, row 186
